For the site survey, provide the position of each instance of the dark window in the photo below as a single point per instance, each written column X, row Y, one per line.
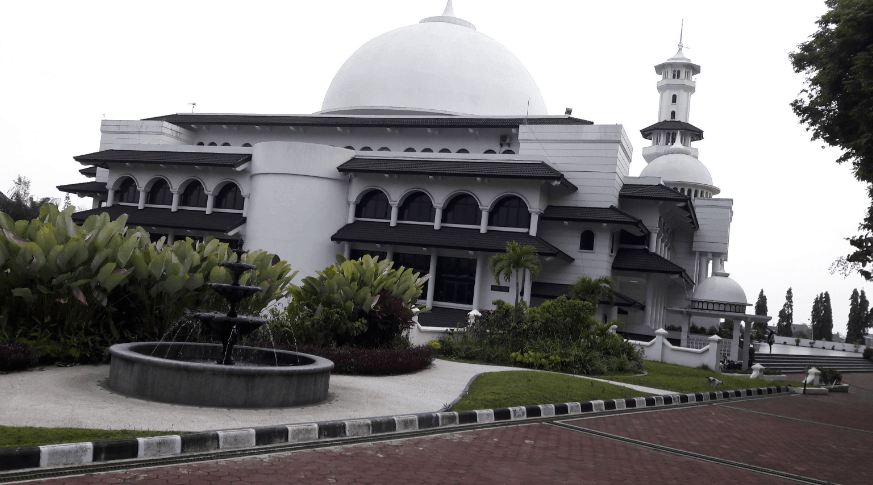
column 507, row 152
column 160, row 194
column 366, row 149
column 417, row 207
column 674, row 99
column 427, row 150
column 420, row 263
column 409, row 150
column 463, row 150
column 225, row 144
column 462, row 209
column 509, row 212
column 384, row 149
column 247, row 145
column 229, row 197
column 350, row 148
column 612, row 243
column 127, row 192
column 193, row 195
column 213, row 144
column 445, row 150
column 630, row 239
column 489, row 152
column 360, row 253
column 586, row 241
column 454, row 280
column 373, row 205
column 200, row 143
column 673, row 117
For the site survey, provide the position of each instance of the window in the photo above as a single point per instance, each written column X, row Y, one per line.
column 463, row 150
column 509, row 212
column 373, row 205
column 160, row 194
column 420, row 263
column 586, row 241
column 225, row 144
column 445, row 150
column 462, row 209
column 454, row 280
column 360, row 253
column 418, row 208
column 427, row 150
column 213, row 144
column 673, row 117
column 366, row 149
column 612, row 243
column 200, row 143
column 507, row 152
column 193, row 195
column 490, row 152
column 384, row 149
column 409, row 150
column 229, row 197
column 127, row 191
column 247, row 145
column 674, row 99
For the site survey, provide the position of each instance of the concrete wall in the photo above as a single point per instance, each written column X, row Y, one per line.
column 115, row 133
column 660, row 350
column 714, row 216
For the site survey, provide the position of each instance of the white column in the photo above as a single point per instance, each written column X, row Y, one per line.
column 650, row 300
column 684, row 337
column 394, row 211
column 735, row 342
column 431, row 283
column 438, row 218
column 347, row 250
column 176, row 197
column 483, row 224
column 351, row 217
column 534, row 222
column 95, row 202
column 478, row 282
column 171, row 236
column 210, row 202
column 747, row 342
column 653, row 241
column 389, row 253
column 718, row 264
column 142, row 198
column 245, row 206
column 110, row 198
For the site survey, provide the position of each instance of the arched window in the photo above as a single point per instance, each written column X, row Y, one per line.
column 247, row 145
column 200, row 143
column 673, row 117
column 194, row 195
column 225, row 144
column 462, row 209
column 366, row 149
column 695, row 192
column 418, row 208
column 427, row 150
column 490, row 152
column 463, row 150
column 160, row 194
column 445, row 150
column 509, row 212
column 507, row 152
column 373, row 205
column 213, row 144
column 229, row 197
column 127, row 191
column 409, row 150
column 674, row 99
column 384, row 149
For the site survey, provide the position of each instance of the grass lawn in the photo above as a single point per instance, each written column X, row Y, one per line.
column 523, row 388
column 685, row 379
column 15, row 436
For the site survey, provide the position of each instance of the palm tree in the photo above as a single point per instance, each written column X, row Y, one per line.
column 593, row 290
column 515, row 260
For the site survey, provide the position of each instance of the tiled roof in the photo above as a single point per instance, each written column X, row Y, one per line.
column 554, row 290
column 457, row 168
column 442, row 317
column 204, row 159
column 359, row 121
column 164, row 218
column 84, row 188
column 654, row 192
column 610, row 215
column 633, row 259
column 89, row 172
column 423, row 236
column 673, row 125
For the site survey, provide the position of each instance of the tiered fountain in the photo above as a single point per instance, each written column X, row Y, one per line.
column 220, row 375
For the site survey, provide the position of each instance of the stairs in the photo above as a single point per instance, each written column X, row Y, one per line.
column 794, row 364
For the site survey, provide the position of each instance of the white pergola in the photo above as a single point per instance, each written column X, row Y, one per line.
column 736, row 317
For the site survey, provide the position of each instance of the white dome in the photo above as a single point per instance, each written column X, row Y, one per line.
column 679, row 167
column 442, row 65
column 720, row 288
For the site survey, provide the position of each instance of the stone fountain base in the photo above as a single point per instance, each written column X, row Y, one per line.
column 141, row 370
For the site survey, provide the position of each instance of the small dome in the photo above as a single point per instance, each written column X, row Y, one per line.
column 680, row 168
column 719, row 288
column 441, row 65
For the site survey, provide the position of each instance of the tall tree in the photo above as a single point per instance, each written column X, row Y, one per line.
column 864, row 311
column 815, row 317
column 761, row 309
column 786, row 316
column 827, row 317
column 515, row 261
column 19, row 204
column 855, row 323
column 837, row 103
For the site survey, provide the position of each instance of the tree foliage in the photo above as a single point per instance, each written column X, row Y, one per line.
column 516, row 260
column 20, row 204
column 761, row 309
column 786, row 316
column 593, row 290
column 859, row 316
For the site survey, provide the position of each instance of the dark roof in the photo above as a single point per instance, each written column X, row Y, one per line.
column 456, row 168
column 89, row 171
column 359, row 121
column 660, row 192
column 673, row 125
column 554, row 290
column 165, row 218
column 610, row 215
column 204, row 159
column 443, row 317
column 422, row 236
column 640, row 259
column 84, row 188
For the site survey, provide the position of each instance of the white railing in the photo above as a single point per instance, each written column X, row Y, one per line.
column 661, row 350
column 699, row 341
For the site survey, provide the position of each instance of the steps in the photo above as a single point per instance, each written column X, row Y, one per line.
column 794, row 364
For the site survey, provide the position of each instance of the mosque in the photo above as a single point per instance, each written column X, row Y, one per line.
column 434, row 148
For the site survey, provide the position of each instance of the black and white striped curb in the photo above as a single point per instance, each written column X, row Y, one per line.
column 104, row 451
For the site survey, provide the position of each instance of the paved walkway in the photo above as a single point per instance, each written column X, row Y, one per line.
column 810, row 438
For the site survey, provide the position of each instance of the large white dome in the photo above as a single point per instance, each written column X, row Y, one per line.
column 442, row 65
column 720, row 288
column 678, row 167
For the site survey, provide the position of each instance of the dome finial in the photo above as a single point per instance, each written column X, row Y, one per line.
column 677, row 146
column 450, row 12
column 448, row 17
column 681, row 29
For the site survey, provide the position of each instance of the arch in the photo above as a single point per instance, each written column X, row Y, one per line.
column 152, row 181
column 249, row 145
column 373, row 204
column 213, row 144
column 159, row 193
column 229, row 196
column 586, row 240
column 674, row 99
column 126, row 189
column 192, row 193
column 366, row 149
column 509, row 211
column 200, row 143
column 463, row 150
column 409, row 150
column 225, row 144
column 445, row 150
column 349, row 147
column 673, row 117
column 384, row 149
column 462, row 208
column 489, row 152
column 427, row 150
column 695, row 192
column 508, row 152
column 417, row 206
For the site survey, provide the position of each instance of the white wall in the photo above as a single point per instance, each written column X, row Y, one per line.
column 115, row 133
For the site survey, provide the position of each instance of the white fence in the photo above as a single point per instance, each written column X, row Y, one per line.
column 660, row 350
column 700, row 341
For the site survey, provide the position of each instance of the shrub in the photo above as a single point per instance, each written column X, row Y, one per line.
column 378, row 362
column 868, row 354
column 16, row 356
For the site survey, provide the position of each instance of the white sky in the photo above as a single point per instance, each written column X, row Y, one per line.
column 67, row 64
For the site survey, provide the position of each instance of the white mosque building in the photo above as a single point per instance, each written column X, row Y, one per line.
column 434, row 148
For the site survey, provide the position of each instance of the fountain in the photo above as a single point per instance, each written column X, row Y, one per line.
column 223, row 375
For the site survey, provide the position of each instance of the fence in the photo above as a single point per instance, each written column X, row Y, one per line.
column 699, row 342
column 660, row 350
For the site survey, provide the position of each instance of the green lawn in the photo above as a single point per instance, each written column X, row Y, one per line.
column 14, row 436
column 523, row 388
column 685, row 379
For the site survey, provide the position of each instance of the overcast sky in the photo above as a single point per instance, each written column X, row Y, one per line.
column 66, row 65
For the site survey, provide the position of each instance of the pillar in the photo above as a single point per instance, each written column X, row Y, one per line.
column 347, row 250
column 483, row 224
column 534, row 222
column 747, row 341
column 650, row 300
column 703, row 268
column 718, row 264
column 210, row 202
column 653, row 241
column 176, row 197
column 110, row 198
column 395, row 210
column 171, row 236
column 735, row 342
column 683, row 338
column 431, row 283
column 351, row 218
column 245, row 206
column 142, row 198
column 438, row 218
column 478, row 282
column 389, row 253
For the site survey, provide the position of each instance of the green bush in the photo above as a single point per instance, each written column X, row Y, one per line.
column 374, row 362
column 868, row 354
column 16, row 356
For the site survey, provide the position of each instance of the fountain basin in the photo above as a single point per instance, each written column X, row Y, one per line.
column 140, row 370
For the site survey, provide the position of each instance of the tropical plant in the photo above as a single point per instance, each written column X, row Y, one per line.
column 593, row 290
column 516, row 261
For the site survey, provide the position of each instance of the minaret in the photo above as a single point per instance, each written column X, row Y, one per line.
column 675, row 87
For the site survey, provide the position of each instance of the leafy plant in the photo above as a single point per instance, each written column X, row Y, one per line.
column 515, row 261
column 16, row 356
column 364, row 361
column 593, row 290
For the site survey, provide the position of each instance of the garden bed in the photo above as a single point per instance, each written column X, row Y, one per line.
column 373, row 362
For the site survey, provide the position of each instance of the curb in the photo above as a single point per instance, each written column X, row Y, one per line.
column 128, row 449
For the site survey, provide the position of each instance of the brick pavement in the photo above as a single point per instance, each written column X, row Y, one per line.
column 817, row 409
column 524, row 454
